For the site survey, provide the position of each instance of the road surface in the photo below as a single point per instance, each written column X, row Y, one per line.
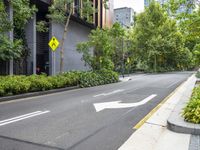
column 97, row 118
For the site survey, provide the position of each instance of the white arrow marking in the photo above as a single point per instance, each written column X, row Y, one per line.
column 117, row 104
column 110, row 93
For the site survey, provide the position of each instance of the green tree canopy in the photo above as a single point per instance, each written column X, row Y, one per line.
column 157, row 40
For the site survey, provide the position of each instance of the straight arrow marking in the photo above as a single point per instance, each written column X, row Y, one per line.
column 117, row 104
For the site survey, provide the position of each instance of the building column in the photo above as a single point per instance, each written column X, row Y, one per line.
column 9, row 10
column 30, row 32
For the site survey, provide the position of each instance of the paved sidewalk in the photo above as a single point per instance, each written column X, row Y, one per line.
column 154, row 134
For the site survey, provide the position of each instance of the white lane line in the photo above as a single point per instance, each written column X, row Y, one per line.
column 19, row 118
column 173, row 84
column 110, row 93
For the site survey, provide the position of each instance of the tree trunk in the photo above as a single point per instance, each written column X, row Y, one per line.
column 155, row 64
column 62, row 43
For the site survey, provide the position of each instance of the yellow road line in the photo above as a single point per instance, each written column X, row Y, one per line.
column 141, row 122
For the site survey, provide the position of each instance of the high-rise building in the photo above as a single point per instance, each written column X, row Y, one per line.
column 124, row 16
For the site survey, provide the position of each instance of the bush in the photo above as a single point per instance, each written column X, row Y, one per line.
column 191, row 112
column 89, row 79
column 39, row 83
column 73, row 77
column 2, row 92
column 15, row 85
column 198, row 74
column 57, row 81
column 10, row 85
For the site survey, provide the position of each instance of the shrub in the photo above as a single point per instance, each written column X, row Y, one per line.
column 198, row 74
column 15, row 85
column 57, row 81
column 10, row 85
column 89, row 79
column 2, row 92
column 39, row 83
column 191, row 112
column 72, row 78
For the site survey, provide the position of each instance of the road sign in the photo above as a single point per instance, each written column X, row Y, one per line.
column 54, row 43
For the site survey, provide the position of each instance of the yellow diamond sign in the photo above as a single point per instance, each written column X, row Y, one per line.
column 54, row 43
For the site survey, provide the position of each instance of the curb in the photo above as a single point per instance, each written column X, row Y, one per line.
column 27, row 95
column 175, row 121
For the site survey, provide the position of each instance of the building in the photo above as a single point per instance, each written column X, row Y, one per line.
column 124, row 16
column 41, row 58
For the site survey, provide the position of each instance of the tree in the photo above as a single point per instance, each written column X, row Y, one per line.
column 107, row 48
column 23, row 11
column 5, row 24
column 100, row 42
column 157, row 40
column 8, row 49
column 61, row 12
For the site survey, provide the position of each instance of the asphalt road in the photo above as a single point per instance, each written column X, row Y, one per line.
column 69, row 120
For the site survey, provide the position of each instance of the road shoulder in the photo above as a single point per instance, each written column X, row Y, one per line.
column 153, row 134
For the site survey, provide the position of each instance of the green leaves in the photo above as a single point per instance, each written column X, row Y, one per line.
column 23, row 11
column 107, row 46
column 11, row 85
column 89, row 79
column 158, row 42
column 60, row 9
column 5, row 24
column 8, row 49
column 191, row 112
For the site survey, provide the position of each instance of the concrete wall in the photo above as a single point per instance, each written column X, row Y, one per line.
column 30, row 31
column 72, row 59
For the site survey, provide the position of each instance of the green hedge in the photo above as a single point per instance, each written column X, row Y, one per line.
column 191, row 112
column 11, row 85
column 89, row 79
column 198, row 74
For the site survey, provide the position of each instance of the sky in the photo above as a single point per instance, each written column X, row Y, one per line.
column 137, row 5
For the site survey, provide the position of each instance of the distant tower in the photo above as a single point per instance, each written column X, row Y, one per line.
column 124, row 16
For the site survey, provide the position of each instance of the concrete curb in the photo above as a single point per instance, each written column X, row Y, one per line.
column 26, row 95
column 175, row 121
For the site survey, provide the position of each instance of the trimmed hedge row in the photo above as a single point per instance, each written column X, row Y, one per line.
column 191, row 112
column 12, row 85
column 89, row 79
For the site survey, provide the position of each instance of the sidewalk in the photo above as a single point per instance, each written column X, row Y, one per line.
column 154, row 133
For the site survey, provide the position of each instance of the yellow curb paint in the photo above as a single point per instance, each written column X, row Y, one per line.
column 141, row 122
